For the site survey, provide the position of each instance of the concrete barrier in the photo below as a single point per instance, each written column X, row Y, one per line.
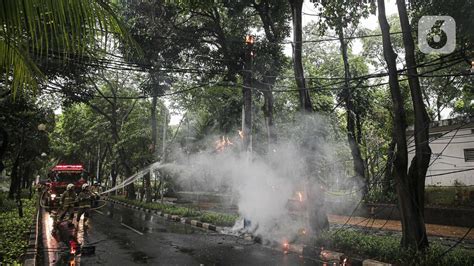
column 31, row 256
column 176, row 218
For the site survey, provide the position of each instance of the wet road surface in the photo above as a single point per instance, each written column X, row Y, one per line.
column 124, row 236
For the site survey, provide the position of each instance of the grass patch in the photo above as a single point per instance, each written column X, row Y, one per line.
column 13, row 229
column 220, row 219
column 386, row 248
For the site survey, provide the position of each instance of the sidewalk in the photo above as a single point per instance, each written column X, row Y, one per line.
column 395, row 225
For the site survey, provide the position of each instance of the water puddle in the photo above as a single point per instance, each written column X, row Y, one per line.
column 189, row 251
column 140, row 257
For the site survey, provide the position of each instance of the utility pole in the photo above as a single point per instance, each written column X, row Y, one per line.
column 247, row 95
column 163, row 159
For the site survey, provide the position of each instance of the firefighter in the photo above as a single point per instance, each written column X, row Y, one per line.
column 96, row 190
column 84, row 198
column 67, row 201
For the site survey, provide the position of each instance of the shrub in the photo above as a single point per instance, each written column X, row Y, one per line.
column 13, row 239
column 387, row 248
column 215, row 218
column 221, row 219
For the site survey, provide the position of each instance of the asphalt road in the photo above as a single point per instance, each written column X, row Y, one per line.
column 124, row 236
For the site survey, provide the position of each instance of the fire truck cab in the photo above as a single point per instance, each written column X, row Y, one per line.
column 59, row 177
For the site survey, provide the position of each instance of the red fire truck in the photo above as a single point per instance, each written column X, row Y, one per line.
column 59, row 177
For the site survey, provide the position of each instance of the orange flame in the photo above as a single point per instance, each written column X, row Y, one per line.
column 249, row 39
column 223, row 143
column 344, row 262
column 286, row 246
column 241, row 134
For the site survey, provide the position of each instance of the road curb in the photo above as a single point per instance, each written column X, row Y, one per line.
column 370, row 262
column 175, row 218
column 30, row 257
column 326, row 255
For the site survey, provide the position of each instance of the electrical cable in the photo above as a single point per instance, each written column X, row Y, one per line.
column 455, row 245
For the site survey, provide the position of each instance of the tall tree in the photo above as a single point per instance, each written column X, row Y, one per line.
column 415, row 183
column 274, row 16
column 413, row 227
column 117, row 112
column 341, row 15
column 296, row 15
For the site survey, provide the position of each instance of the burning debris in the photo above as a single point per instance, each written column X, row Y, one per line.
column 222, row 144
column 241, row 134
column 300, row 196
column 286, row 247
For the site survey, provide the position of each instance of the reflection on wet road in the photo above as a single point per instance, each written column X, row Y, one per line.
column 124, row 236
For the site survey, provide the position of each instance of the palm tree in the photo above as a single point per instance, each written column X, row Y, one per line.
column 46, row 27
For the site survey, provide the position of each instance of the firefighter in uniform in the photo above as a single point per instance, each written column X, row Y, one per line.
column 84, row 198
column 67, row 201
column 96, row 190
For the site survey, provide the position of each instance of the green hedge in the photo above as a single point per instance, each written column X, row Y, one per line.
column 387, row 248
column 449, row 196
column 220, row 219
column 13, row 229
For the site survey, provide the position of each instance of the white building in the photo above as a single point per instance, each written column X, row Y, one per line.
column 452, row 147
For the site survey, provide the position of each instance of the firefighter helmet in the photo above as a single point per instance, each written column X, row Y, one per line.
column 70, row 186
column 84, row 186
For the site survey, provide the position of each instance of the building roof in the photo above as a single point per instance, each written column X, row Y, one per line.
column 447, row 125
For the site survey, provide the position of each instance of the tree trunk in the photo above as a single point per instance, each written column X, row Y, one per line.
column 359, row 168
column 415, row 183
column 296, row 13
column 113, row 175
column 128, row 172
column 413, row 230
column 387, row 184
column 14, row 178
column 26, row 176
column 273, row 38
column 268, row 113
column 3, row 147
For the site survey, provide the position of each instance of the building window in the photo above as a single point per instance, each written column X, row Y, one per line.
column 469, row 155
column 472, row 131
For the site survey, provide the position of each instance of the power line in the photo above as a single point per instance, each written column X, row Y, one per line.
column 455, row 245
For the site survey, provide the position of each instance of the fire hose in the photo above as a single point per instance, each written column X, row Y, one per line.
column 131, row 179
column 96, row 208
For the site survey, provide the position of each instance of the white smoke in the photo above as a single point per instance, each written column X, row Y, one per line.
column 305, row 157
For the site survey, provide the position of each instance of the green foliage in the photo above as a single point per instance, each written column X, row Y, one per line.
column 116, row 127
column 339, row 15
column 219, row 219
column 387, row 249
column 13, row 229
column 448, row 196
column 6, row 205
column 378, row 195
column 49, row 27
